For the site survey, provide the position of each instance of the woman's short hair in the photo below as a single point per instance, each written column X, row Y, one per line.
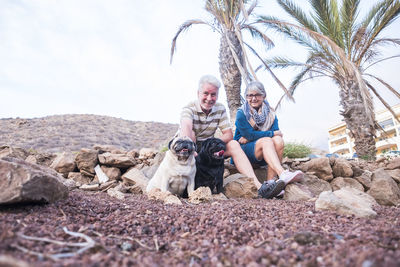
column 255, row 86
column 210, row 80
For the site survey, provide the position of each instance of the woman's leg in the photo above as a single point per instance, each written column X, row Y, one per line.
column 279, row 146
column 242, row 163
column 272, row 153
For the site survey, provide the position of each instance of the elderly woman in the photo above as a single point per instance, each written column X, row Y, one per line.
column 258, row 133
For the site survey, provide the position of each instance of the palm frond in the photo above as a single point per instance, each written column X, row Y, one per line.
column 271, row 72
column 282, row 62
column 378, row 61
column 384, row 16
column 241, row 67
column 386, row 104
column 297, row 13
column 348, row 14
column 388, row 86
column 185, row 26
column 252, row 7
column 243, row 10
column 324, row 43
column 294, row 33
column 298, row 79
column 326, row 16
column 247, row 62
column 372, row 14
column 256, row 33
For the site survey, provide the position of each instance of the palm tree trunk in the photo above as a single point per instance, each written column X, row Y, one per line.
column 230, row 73
column 357, row 120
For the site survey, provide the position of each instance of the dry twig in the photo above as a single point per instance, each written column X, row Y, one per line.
column 84, row 245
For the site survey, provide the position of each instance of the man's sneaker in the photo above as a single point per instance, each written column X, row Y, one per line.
column 270, row 189
column 291, row 177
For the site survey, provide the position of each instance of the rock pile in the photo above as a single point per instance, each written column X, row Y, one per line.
column 347, row 187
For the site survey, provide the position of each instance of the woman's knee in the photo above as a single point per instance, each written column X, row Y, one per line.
column 265, row 141
column 278, row 141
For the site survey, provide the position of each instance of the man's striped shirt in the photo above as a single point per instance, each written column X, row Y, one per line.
column 204, row 126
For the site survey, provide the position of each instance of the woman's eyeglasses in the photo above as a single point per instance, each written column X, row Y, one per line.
column 255, row 95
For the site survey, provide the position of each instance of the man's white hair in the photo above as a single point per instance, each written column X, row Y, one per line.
column 210, row 80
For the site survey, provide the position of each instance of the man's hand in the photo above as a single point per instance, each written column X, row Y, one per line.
column 243, row 140
column 278, row 133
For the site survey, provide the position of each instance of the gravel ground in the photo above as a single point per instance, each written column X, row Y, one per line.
column 138, row 231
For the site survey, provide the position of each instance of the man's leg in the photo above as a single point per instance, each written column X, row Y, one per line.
column 242, row 163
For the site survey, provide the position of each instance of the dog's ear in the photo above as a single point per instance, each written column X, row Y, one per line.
column 170, row 143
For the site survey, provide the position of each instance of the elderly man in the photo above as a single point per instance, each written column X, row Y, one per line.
column 200, row 120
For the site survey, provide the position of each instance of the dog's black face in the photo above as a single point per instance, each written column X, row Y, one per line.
column 182, row 147
column 210, row 164
column 212, row 149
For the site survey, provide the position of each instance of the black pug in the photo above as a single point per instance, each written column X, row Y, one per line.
column 210, row 165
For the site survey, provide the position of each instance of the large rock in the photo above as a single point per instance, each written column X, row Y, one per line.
column 100, row 175
column 365, row 179
column 347, row 201
column 393, row 164
column 384, row 189
column 115, row 192
column 297, row 192
column 201, row 194
column 64, row 163
column 316, row 185
column 108, row 148
column 166, row 197
column 342, row 168
column 117, row 160
column 86, row 160
column 79, row 178
column 357, row 170
column 7, row 151
column 320, row 167
column 341, row 182
column 99, row 187
column 22, row 182
column 112, row 172
column 136, row 177
column 147, row 153
column 238, row 186
column 149, row 171
column 395, row 174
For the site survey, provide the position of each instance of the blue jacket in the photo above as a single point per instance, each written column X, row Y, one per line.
column 243, row 128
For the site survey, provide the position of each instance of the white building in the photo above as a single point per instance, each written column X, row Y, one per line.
column 341, row 143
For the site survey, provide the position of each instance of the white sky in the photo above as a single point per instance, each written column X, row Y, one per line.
column 112, row 58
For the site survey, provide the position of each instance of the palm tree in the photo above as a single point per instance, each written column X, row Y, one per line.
column 342, row 48
column 230, row 19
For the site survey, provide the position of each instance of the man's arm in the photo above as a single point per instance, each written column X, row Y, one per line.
column 186, row 129
column 227, row 135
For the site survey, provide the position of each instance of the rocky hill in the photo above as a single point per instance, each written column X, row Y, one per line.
column 72, row 132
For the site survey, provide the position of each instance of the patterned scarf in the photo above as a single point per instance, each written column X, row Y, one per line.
column 261, row 120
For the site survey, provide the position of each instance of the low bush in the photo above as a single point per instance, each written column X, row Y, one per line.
column 296, row 150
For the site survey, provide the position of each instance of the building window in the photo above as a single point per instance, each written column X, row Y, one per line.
column 386, row 124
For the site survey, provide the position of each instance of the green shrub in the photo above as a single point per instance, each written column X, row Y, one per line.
column 295, row 150
column 164, row 149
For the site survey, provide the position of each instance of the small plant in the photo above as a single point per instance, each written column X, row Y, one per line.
column 296, row 150
column 164, row 149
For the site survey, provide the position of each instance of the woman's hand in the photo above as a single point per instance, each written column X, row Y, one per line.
column 243, row 140
column 278, row 133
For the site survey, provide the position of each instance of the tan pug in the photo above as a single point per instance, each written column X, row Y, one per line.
column 178, row 168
